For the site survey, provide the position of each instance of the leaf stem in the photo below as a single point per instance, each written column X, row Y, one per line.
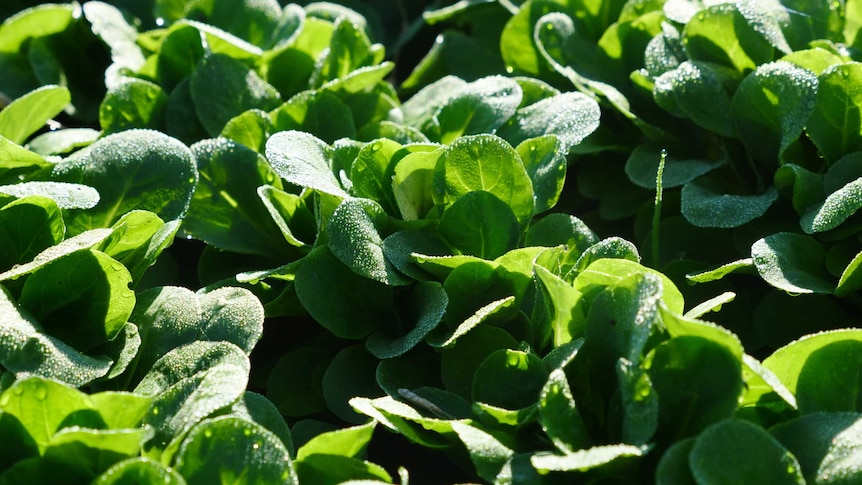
column 656, row 215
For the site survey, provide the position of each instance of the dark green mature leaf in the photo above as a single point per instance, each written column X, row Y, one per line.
column 822, row 370
column 706, row 38
column 694, row 90
column 807, row 186
column 255, row 455
column 479, row 224
column 28, row 226
column 673, row 469
column 29, row 113
column 304, row 160
column 838, row 106
column 94, row 449
column 230, row 314
column 319, row 112
column 294, row 382
column 723, row 454
column 703, row 206
column 428, row 302
column 642, row 167
column 479, row 107
column 792, row 262
column 483, row 162
column 771, row 107
column 291, row 214
column 509, row 379
column 82, row 298
column 354, row 238
column 139, row 470
column 697, row 378
column 223, row 87
column 413, row 182
column 157, row 173
column 26, row 350
column 134, row 103
column 362, row 303
column 826, row 445
column 250, row 128
column 570, row 116
column 351, row 373
column 179, row 53
column 516, row 41
column 226, row 211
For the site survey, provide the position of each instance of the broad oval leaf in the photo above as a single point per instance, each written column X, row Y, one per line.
column 771, row 107
column 836, row 209
column 827, row 446
column 304, row 160
column 570, row 116
column 484, row 162
column 479, row 224
column 255, row 455
column 694, row 90
column 428, row 302
column 27, row 227
column 29, row 113
column 156, row 173
column 791, row 262
column 479, row 107
column 65, row 195
column 642, row 167
column 838, row 107
column 355, row 240
column 134, row 103
column 139, row 470
column 822, row 370
column 704, row 207
column 726, row 451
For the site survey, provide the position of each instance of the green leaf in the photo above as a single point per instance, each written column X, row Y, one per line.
column 66, row 196
column 585, row 460
column 826, row 445
column 291, row 214
column 483, row 162
column 63, row 141
column 459, row 362
column 791, row 262
column 179, row 53
column 349, row 49
column 694, row 377
column 29, row 113
column 427, row 305
column 363, row 303
column 821, row 370
column 354, row 238
column 733, row 451
column 111, row 26
column 516, row 41
column 509, row 379
column 317, row 112
column 807, row 186
column 478, row 107
column 838, row 105
column 349, row 442
column 673, row 469
column 226, row 211
column 139, row 470
column 82, row 298
column 138, row 239
column 134, row 103
column 606, row 272
column 94, row 449
column 558, row 307
column 17, row 160
column 230, row 314
column 413, row 182
column 27, row 227
column 559, row 415
column 610, row 248
column 642, row 167
column 42, row 406
column 487, row 453
column 833, row 211
column 851, row 277
column 255, row 455
column 121, row 410
column 157, row 174
column 257, row 408
column 479, row 224
column 250, row 128
column 570, row 116
column 294, row 381
column 304, row 160
column 218, row 74
column 703, row 206
column 351, row 373
column 694, row 90
column 545, row 162
column 706, row 38
column 84, row 240
column 771, row 107
column 420, row 108
column 372, row 173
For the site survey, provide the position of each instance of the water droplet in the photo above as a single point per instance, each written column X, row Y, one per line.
column 510, row 69
column 208, row 433
column 246, row 432
column 549, row 27
column 160, row 22
column 40, row 391
column 155, row 411
column 255, row 446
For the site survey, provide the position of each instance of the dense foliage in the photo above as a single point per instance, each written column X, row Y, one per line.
column 499, row 241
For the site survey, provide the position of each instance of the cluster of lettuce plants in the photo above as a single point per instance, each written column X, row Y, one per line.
column 238, row 244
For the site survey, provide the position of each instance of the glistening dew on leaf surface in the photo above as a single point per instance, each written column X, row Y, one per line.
column 251, row 241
